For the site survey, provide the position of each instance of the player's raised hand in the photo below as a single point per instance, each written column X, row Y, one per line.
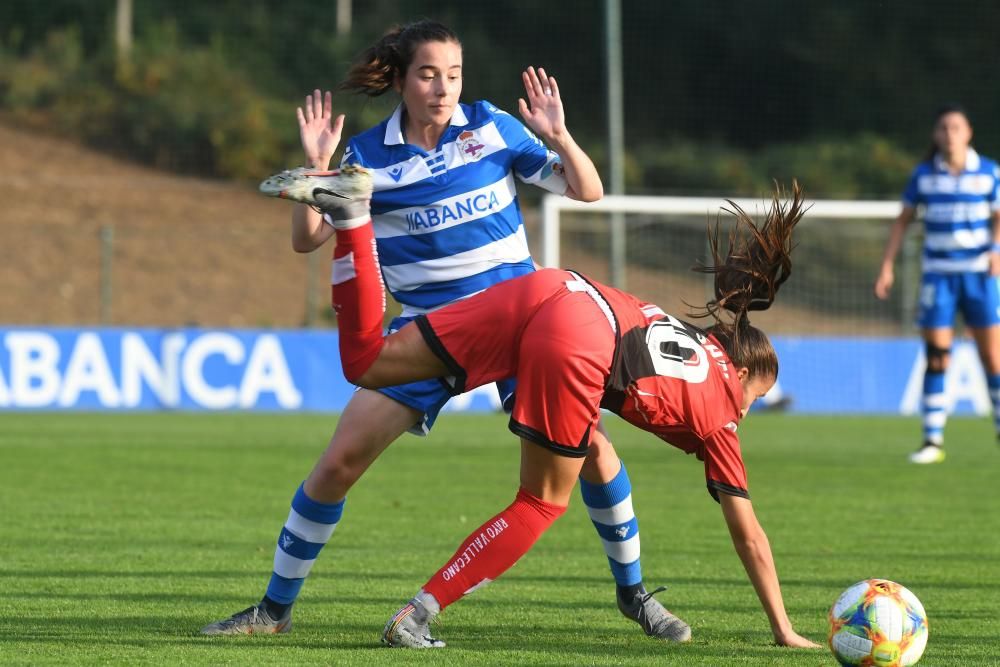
column 543, row 111
column 318, row 129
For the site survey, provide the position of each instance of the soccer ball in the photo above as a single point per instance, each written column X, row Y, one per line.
column 877, row 623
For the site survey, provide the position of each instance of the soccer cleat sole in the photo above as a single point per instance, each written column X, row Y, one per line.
column 302, row 184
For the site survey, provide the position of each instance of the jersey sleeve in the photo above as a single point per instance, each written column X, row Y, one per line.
column 724, row 469
column 533, row 163
column 352, row 155
column 911, row 195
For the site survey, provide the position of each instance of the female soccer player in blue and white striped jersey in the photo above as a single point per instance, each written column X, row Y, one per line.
column 448, row 225
column 958, row 189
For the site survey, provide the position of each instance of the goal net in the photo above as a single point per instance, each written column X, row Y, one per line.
column 838, row 250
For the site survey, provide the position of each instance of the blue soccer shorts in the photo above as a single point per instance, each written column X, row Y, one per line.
column 429, row 396
column 977, row 295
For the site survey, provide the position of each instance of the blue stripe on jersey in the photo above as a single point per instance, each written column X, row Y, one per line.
column 958, row 253
column 293, row 545
column 958, row 211
column 431, row 296
column 447, row 242
column 478, row 154
column 949, row 227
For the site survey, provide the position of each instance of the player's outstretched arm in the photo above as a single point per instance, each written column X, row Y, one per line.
column 320, row 134
column 886, row 276
column 755, row 551
column 543, row 113
column 995, row 248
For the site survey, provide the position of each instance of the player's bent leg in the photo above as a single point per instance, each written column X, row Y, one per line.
column 369, row 424
column 547, row 481
column 607, row 494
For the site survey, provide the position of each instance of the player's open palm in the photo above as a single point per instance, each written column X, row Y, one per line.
column 318, row 129
column 543, row 110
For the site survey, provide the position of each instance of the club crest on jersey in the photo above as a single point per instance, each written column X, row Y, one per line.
column 470, row 146
column 553, row 166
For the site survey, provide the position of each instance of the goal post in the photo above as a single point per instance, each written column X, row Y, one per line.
column 554, row 205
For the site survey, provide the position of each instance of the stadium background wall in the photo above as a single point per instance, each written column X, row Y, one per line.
column 276, row 370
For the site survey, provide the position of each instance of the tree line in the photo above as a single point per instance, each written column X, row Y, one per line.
column 719, row 96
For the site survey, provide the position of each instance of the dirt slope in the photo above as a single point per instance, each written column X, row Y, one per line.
column 185, row 251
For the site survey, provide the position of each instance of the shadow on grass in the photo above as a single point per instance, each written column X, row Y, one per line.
column 549, row 640
column 408, row 577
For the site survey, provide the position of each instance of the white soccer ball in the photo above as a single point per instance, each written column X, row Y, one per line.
column 877, row 623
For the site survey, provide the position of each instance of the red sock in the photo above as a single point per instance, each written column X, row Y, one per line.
column 493, row 548
column 358, row 298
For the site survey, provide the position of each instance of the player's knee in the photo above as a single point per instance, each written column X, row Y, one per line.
column 334, row 481
column 355, row 372
column 600, row 445
column 336, row 473
column 937, row 357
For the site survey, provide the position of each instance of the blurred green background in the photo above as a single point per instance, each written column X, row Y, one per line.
column 719, row 96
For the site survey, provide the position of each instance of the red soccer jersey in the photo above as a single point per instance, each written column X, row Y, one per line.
column 675, row 381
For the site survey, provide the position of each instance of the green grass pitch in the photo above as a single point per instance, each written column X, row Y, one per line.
column 121, row 535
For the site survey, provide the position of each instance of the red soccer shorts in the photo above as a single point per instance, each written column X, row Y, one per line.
column 553, row 332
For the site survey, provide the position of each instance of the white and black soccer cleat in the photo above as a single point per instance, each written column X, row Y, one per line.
column 410, row 628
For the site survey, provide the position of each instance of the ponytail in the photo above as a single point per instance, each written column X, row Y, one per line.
column 376, row 69
column 755, row 263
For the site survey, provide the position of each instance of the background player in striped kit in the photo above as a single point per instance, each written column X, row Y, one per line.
column 959, row 191
column 576, row 346
column 448, row 225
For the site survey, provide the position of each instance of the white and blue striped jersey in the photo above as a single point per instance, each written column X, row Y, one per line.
column 447, row 222
column 958, row 211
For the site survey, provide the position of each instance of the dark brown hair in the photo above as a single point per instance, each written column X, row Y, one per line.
column 375, row 70
column 941, row 112
column 748, row 272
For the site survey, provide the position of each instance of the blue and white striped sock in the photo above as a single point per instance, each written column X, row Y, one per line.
column 994, row 384
column 610, row 508
column 935, row 407
column 308, row 528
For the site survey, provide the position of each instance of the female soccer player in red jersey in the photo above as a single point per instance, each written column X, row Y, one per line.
column 574, row 346
column 448, row 224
